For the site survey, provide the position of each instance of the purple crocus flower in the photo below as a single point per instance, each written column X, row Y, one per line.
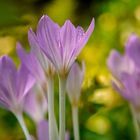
column 14, row 85
column 125, row 68
column 61, row 45
column 74, row 82
column 127, row 71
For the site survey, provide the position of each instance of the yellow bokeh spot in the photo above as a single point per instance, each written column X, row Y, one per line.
column 105, row 96
column 137, row 13
column 104, row 79
column 98, row 124
column 7, row 44
column 107, row 21
column 64, row 10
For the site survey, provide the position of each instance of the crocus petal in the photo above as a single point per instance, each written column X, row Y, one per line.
column 5, row 97
column 36, row 51
column 85, row 37
column 35, row 105
column 25, row 81
column 82, row 39
column 30, row 106
column 133, row 49
column 34, row 43
column 33, row 40
column 8, row 64
column 68, row 40
column 132, row 86
column 7, row 69
column 8, row 76
column 31, row 63
column 48, row 35
column 118, row 64
column 43, row 130
column 35, row 48
column 74, row 82
column 13, row 85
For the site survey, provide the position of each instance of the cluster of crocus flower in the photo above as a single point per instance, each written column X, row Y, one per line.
column 126, row 72
column 30, row 88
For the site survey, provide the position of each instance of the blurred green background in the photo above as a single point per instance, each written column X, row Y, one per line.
column 104, row 115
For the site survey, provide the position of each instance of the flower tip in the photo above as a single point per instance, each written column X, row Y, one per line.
column 5, row 59
column 41, row 21
column 30, row 30
column 93, row 20
column 113, row 54
column 19, row 49
column 18, row 46
column 43, row 17
column 133, row 37
column 68, row 23
column 90, row 28
column 92, row 24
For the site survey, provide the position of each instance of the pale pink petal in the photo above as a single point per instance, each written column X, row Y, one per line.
column 35, row 105
column 74, row 82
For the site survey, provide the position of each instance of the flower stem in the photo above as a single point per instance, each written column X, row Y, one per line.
column 135, row 120
column 23, row 126
column 75, row 122
column 62, row 90
column 53, row 130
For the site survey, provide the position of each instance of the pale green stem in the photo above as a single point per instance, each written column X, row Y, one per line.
column 23, row 126
column 135, row 120
column 53, row 129
column 75, row 122
column 62, row 90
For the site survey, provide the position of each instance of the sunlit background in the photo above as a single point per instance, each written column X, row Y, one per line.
column 104, row 115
